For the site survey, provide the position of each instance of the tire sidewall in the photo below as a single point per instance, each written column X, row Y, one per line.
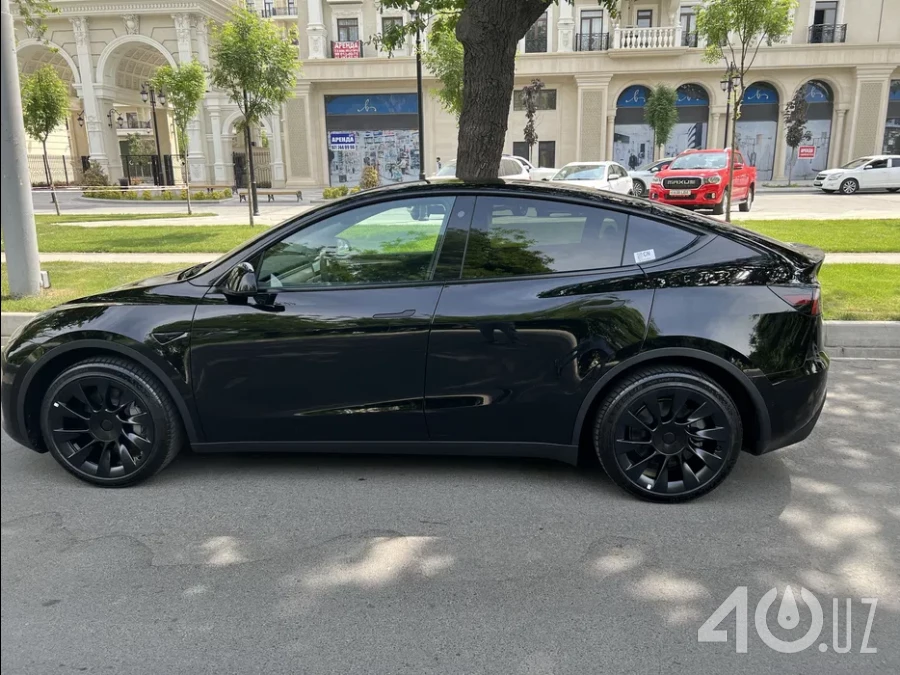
column 638, row 188
column 848, row 182
column 608, row 419
column 156, row 411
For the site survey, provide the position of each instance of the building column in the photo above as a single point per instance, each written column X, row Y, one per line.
column 836, row 146
column 196, row 160
column 593, row 134
column 610, row 133
column 871, row 101
column 93, row 118
column 300, row 139
column 565, row 27
column 219, row 166
column 315, row 30
column 201, row 27
column 778, row 171
column 109, row 139
column 278, row 177
column 712, row 137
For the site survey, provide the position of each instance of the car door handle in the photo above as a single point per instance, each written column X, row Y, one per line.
column 395, row 315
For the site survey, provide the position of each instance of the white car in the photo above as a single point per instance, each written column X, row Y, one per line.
column 610, row 176
column 643, row 175
column 510, row 169
column 877, row 172
column 536, row 173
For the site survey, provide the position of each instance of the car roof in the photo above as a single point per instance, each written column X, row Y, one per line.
column 699, row 151
column 605, row 163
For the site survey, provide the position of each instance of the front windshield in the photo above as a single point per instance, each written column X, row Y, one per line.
column 856, row 163
column 701, row 160
column 581, row 172
column 449, row 169
column 648, row 166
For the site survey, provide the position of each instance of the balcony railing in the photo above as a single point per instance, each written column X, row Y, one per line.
column 827, row 32
column 273, row 8
column 535, row 42
column 690, row 39
column 658, row 37
column 591, row 42
column 346, row 49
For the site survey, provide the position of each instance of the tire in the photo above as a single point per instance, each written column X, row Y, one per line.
column 747, row 204
column 110, row 422
column 638, row 189
column 849, row 186
column 637, row 432
column 719, row 209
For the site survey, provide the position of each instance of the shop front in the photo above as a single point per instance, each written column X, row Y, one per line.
column 378, row 130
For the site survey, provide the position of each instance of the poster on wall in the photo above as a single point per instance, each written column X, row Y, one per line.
column 819, row 111
column 633, row 145
column 393, row 153
column 757, row 128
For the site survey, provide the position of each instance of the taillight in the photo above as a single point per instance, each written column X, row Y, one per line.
column 806, row 300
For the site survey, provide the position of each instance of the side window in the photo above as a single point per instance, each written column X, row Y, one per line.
column 392, row 242
column 650, row 240
column 739, row 158
column 895, row 163
column 509, row 167
column 516, row 237
column 878, row 164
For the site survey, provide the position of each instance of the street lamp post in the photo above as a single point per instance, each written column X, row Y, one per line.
column 728, row 83
column 415, row 14
column 148, row 93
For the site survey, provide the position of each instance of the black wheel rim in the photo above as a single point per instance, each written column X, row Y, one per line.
column 101, row 427
column 672, row 441
column 638, row 190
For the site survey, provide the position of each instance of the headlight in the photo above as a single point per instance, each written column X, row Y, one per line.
column 656, row 180
column 833, row 176
column 713, row 180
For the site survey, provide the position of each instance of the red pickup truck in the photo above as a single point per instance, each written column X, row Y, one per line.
column 698, row 179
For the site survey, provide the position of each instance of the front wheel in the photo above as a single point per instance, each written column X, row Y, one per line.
column 668, row 434
column 638, row 189
column 719, row 209
column 109, row 422
column 747, row 204
column 850, row 186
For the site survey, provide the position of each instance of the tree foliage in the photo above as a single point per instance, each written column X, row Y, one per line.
column 661, row 112
column 444, row 60
column 33, row 13
column 45, row 105
column 796, row 115
column 734, row 30
column 530, row 94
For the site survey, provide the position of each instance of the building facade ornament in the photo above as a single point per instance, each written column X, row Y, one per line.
column 132, row 24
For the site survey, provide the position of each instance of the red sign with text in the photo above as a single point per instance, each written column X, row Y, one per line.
column 806, row 152
column 345, row 50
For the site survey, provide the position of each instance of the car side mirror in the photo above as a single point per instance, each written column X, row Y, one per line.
column 240, row 281
column 738, row 166
column 867, row 167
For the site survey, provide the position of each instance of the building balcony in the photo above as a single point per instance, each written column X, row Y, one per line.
column 690, row 39
column 827, row 32
column 591, row 42
column 274, row 9
column 642, row 39
column 347, row 49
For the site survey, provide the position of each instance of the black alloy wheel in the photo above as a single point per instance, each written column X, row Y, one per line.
column 668, row 434
column 638, row 188
column 109, row 422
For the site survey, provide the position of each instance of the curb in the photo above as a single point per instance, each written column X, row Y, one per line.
column 851, row 339
column 152, row 202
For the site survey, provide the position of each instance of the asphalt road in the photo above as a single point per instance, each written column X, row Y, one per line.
column 310, row 564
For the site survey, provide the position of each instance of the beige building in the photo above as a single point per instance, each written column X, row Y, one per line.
column 356, row 106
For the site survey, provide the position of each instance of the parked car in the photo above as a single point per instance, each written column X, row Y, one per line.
column 598, row 175
column 878, row 172
column 642, row 176
column 698, row 179
column 477, row 318
column 534, row 172
column 510, row 169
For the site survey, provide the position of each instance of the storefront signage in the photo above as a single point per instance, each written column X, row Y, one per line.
column 806, row 152
column 339, row 140
column 372, row 104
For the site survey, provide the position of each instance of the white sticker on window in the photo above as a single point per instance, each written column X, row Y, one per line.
column 644, row 256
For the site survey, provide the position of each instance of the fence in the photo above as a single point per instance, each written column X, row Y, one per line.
column 262, row 165
column 140, row 169
column 65, row 170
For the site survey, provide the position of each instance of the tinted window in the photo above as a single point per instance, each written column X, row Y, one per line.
column 513, row 237
column 509, row 167
column 878, row 164
column 650, row 240
column 380, row 243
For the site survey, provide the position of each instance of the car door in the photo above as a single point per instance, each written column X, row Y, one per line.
column 875, row 174
column 894, row 174
column 741, row 177
column 623, row 180
column 333, row 346
column 544, row 305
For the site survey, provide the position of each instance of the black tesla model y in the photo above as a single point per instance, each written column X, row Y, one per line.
column 485, row 319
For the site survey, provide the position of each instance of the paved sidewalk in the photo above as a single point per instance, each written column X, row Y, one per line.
column 188, row 258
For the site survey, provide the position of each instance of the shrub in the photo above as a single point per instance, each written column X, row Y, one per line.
column 146, row 195
column 200, row 195
column 184, row 194
column 369, row 178
column 167, row 195
column 354, row 190
column 328, row 193
column 130, row 194
column 94, row 176
column 227, row 193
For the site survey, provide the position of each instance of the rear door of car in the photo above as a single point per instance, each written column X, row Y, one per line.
column 544, row 303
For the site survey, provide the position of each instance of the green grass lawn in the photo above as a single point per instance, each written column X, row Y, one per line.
column 844, row 236
column 53, row 219
column 850, row 291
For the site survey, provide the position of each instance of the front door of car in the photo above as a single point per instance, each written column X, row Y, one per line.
column 544, row 304
column 332, row 346
column 875, row 174
column 618, row 179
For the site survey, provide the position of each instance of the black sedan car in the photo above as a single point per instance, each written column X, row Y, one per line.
column 487, row 319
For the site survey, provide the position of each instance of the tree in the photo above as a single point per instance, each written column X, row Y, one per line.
column 258, row 68
column 734, row 31
column 444, row 60
column 45, row 105
column 661, row 113
column 796, row 115
column 489, row 31
column 185, row 86
column 530, row 94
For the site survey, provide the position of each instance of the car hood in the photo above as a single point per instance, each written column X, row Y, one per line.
column 675, row 173
column 834, row 171
column 582, row 183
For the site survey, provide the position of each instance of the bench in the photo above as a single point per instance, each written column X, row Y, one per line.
column 208, row 187
column 270, row 193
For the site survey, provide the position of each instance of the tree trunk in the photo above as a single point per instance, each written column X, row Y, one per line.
column 185, row 174
column 735, row 113
column 249, row 169
column 49, row 175
column 251, row 185
column 489, row 31
column 791, row 165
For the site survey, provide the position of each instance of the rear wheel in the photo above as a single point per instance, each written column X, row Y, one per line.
column 109, row 422
column 850, row 186
column 746, row 205
column 668, row 434
column 638, row 189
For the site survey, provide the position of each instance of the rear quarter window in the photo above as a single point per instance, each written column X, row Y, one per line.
column 650, row 240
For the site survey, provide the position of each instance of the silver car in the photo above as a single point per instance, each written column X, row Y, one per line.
column 642, row 175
